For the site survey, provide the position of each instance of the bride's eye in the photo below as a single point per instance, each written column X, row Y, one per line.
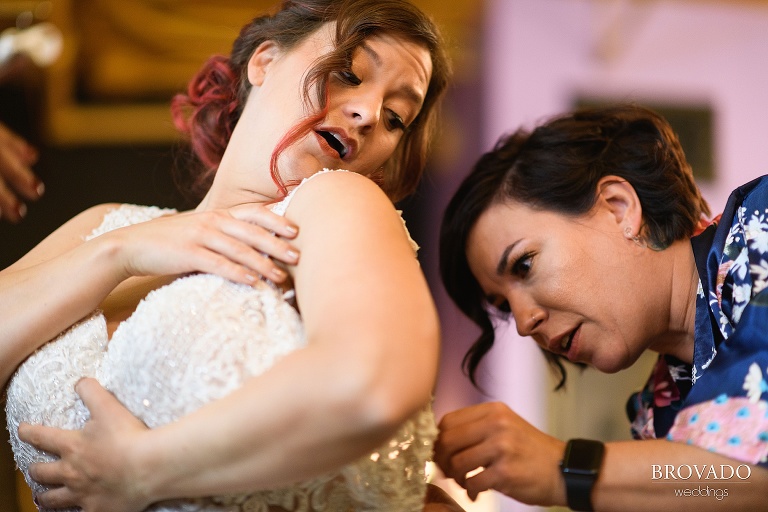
column 348, row 77
column 394, row 121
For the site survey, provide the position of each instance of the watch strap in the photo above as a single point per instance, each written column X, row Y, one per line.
column 578, row 491
column 580, row 468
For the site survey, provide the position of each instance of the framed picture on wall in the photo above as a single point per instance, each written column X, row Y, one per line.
column 694, row 125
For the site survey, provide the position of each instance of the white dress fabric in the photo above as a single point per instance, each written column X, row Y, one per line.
column 187, row 343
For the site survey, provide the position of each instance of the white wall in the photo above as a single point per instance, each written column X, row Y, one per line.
column 541, row 54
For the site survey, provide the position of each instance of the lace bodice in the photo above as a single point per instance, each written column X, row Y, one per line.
column 190, row 342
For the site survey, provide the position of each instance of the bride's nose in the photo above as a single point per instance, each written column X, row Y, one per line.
column 364, row 112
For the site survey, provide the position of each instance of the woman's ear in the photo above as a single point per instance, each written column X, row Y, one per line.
column 262, row 57
column 621, row 201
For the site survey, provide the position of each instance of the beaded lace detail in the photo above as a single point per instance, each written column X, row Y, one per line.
column 190, row 342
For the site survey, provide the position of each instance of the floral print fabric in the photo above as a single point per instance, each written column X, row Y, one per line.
column 720, row 402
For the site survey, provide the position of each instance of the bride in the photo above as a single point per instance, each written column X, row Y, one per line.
column 311, row 394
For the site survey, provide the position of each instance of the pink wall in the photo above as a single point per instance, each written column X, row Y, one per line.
column 540, row 54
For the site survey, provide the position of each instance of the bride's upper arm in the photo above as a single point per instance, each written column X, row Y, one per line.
column 351, row 236
column 69, row 235
column 359, row 285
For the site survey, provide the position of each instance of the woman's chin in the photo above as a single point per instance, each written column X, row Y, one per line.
column 610, row 364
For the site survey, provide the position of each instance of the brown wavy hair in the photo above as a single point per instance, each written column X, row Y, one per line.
column 214, row 100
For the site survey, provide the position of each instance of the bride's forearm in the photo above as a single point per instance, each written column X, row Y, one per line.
column 301, row 419
column 40, row 301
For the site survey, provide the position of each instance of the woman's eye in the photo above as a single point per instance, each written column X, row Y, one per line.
column 348, row 77
column 395, row 121
column 522, row 265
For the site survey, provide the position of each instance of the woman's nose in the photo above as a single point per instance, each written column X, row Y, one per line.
column 528, row 316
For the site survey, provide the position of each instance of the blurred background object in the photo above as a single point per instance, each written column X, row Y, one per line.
column 41, row 43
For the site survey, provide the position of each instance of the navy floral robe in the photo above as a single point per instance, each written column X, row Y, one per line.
column 720, row 402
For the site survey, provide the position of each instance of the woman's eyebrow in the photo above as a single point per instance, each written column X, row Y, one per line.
column 503, row 261
column 408, row 90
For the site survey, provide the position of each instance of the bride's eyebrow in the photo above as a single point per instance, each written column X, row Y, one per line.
column 407, row 90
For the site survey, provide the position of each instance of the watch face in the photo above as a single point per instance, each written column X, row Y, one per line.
column 583, row 456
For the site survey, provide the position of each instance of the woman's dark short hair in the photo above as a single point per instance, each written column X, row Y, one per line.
column 556, row 167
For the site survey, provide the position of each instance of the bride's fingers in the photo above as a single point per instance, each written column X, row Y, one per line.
column 262, row 216
column 239, row 241
column 44, row 438
column 262, row 240
column 99, row 401
column 233, row 252
column 59, row 497
column 47, row 473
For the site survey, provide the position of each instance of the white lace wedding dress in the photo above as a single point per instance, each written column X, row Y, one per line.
column 190, row 342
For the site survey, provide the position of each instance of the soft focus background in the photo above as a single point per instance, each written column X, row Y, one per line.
column 99, row 115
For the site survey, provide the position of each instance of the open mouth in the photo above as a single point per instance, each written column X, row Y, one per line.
column 335, row 142
column 565, row 343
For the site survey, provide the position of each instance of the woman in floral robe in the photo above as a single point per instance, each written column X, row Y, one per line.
column 720, row 402
column 590, row 234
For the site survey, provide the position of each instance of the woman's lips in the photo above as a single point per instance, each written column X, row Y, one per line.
column 572, row 347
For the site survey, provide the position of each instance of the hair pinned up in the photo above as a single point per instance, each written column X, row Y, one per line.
column 214, row 100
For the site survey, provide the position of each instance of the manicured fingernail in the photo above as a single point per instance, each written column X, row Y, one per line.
column 21, row 209
column 39, row 188
column 250, row 278
column 31, row 152
column 292, row 230
column 292, row 254
column 278, row 273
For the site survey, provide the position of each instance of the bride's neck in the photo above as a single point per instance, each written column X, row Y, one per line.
column 236, row 182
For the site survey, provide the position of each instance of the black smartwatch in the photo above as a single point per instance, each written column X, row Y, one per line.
column 580, row 468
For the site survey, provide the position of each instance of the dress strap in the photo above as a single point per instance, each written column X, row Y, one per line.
column 281, row 206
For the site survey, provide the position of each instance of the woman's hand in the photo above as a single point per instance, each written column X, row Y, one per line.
column 95, row 470
column 236, row 243
column 516, row 458
column 17, row 181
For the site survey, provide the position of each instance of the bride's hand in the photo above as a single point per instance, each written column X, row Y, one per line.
column 94, row 470
column 236, row 243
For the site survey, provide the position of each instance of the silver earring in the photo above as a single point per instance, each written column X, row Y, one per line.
column 635, row 238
